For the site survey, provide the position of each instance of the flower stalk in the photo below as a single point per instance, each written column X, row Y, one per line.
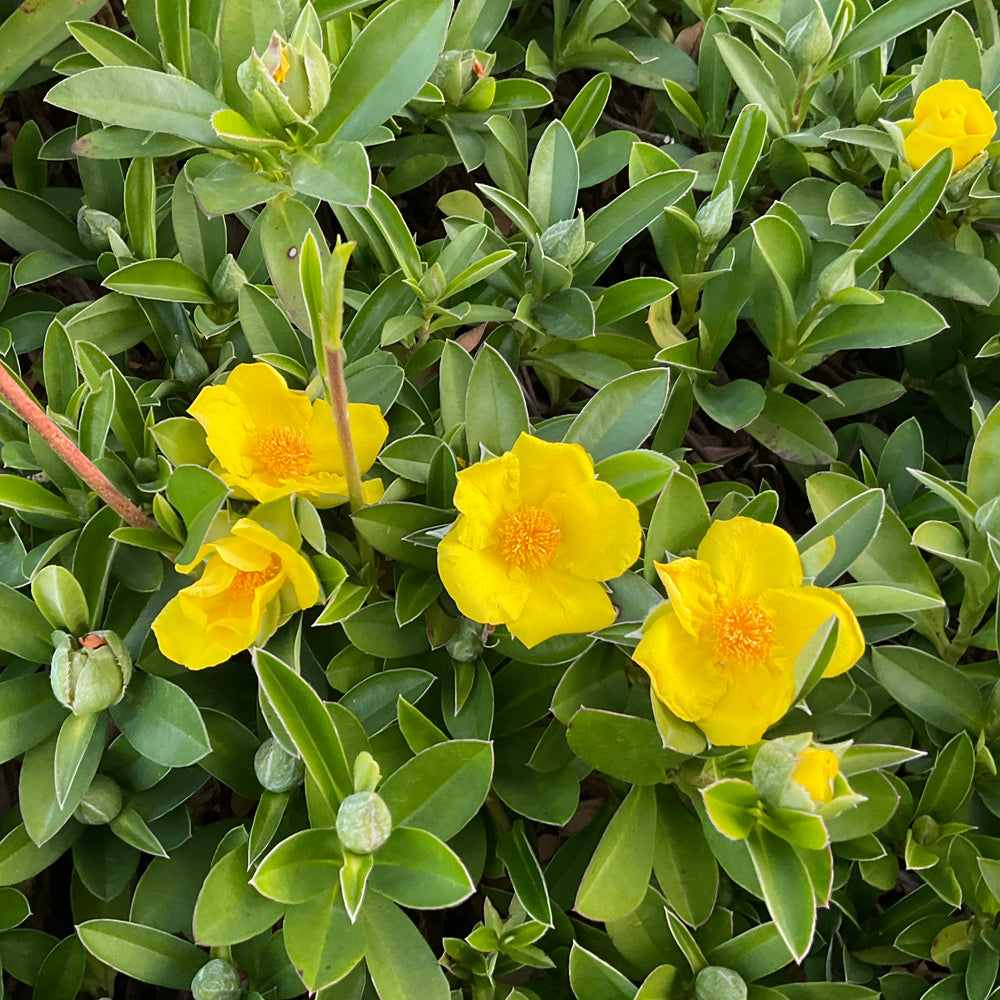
column 34, row 416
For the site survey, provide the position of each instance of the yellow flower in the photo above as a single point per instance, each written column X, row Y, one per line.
column 815, row 773
column 270, row 441
column 722, row 653
column 535, row 535
column 948, row 115
column 252, row 582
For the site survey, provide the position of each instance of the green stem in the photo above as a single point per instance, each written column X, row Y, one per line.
column 34, row 416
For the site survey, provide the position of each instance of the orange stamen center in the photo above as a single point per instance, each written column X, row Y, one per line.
column 529, row 536
column 743, row 633
column 282, row 71
column 284, row 452
column 247, row 582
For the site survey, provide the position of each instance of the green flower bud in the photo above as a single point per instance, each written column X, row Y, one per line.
column 189, row 365
column 433, row 283
column 89, row 675
column 809, row 39
column 926, row 830
column 92, row 226
column 228, row 279
column 363, row 822
column 466, row 643
column 714, row 217
column 276, row 769
column 715, row 982
column 217, row 980
column 566, row 241
column 101, row 803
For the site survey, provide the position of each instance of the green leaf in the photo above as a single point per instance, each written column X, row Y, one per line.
column 21, row 858
column 400, row 963
column 792, row 431
column 441, row 788
column 161, row 721
column 162, row 280
column 417, row 870
column 623, row 746
column 14, row 908
column 26, row 633
column 60, row 598
column 229, row 909
column 144, row 953
column 24, row 495
column 787, row 889
column 755, row 81
column 929, row 687
column 616, row 879
column 321, row 941
column 908, row 208
column 169, row 104
column 386, row 65
column 71, row 751
column 30, row 223
column 518, row 855
column 984, row 462
column 372, row 701
column 621, row 415
column 889, row 21
column 32, row 30
column 300, row 866
column 495, row 411
column 553, row 181
column 950, row 779
column 305, row 717
column 685, row 868
column 612, row 226
column 742, row 152
column 336, row 171
column 591, row 978
column 198, row 495
column 753, row 954
column 374, row 630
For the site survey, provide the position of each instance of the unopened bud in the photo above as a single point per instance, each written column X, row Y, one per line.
column 363, row 822
column 566, row 241
column 101, row 803
column 228, row 279
column 466, row 643
column 809, row 39
column 217, row 980
column 277, row 770
column 92, row 674
column 716, row 982
column 92, row 226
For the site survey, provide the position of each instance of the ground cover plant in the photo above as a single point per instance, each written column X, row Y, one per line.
column 500, row 499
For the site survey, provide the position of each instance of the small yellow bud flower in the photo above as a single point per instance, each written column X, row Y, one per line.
column 282, row 71
column 815, row 773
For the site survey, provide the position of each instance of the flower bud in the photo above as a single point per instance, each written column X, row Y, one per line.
column 466, row 643
column 277, row 770
column 926, row 830
column 367, row 773
column 809, row 39
column 189, row 365
column 714, row 217
column 228, row 279
column 792, row 773
column 92, row 226
column 217, row 980
column 433, row 283
column 566, row 241
column 101, row 803
column 363, row 822
column 89, row 675
column 716, row 982
column 458, row 72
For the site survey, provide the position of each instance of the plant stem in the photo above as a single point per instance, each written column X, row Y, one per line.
column 338, row 400
column 34, row 416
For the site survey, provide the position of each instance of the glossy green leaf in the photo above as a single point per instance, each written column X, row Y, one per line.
column 144, row 953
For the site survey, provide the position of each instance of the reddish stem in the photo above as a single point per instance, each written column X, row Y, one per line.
column 33, row 415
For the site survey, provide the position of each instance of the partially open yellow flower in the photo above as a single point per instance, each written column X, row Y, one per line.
column 815, row 773
column 535, row 536
column 722, row 653
column 948, row 115
column 282, row 71
column 252, row 582
column 271, row 441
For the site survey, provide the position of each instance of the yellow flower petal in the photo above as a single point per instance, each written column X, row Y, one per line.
column 486, row 493
column 815, row 773
column 479, row 580
column 796, row 614
column 560, row 604
column 681, row 668
column 548, row 468
column 577, row 512
column 748, row 557
column 691, row 589
column 949, row 115
column 754, row 700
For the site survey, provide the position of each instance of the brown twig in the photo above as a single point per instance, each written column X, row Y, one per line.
column 33, row 415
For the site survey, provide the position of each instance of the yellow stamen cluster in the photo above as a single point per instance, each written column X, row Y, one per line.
column 743, row 633
column 531, row 536
column 284, row 452
column 246, row 582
